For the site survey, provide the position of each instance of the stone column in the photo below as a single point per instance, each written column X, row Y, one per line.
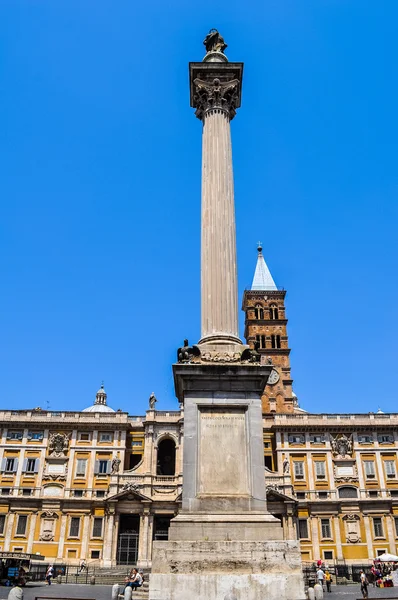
column 215, row 93
column 108, row 540
column 219, row 274
column 115, row 536
column 143, row 541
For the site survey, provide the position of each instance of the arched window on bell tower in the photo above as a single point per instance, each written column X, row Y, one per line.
column 261, row 339
column 275, row 341
column 273, row 312
column 259, row 312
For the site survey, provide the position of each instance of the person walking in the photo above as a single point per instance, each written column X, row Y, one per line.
column 49, row 574
column 328, row 579
column 364, row 584
column 83, row 566
column 320, row 575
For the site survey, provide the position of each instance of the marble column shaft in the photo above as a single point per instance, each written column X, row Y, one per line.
column 218, row 250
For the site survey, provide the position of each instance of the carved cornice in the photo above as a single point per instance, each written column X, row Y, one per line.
column 211, row 96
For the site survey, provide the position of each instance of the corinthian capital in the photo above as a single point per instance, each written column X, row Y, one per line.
column 215, row 95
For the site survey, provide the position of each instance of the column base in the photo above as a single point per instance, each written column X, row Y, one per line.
column 225, row 527
column 221, row 340
column 210, row 570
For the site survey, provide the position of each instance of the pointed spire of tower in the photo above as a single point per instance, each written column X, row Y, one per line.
column 262, row 279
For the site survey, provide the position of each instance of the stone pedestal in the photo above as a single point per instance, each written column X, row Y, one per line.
column 204, row 570
column 224, row 540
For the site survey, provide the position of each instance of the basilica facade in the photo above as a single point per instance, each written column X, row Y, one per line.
column 102, row 485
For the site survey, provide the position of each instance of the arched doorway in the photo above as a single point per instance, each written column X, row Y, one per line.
column 166, row 463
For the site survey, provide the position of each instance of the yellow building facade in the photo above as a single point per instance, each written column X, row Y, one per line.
column 102, row 485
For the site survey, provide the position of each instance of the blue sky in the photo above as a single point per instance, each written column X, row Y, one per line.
column 100, row 193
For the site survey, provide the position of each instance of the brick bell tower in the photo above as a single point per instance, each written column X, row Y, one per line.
column 266, row 324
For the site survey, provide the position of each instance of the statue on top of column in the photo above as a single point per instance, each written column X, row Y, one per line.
column 214, row 42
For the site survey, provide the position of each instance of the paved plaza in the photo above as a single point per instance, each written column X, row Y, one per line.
column 32, row 591
column 104, row 592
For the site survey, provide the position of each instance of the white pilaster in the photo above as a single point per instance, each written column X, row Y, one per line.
column 85, row 536
column 315, row 538
column 31, row 536
column 380, row 469
column 391, row 533
column 368, row 532
column 62, row 535
column 337, row 538
column 9, row 528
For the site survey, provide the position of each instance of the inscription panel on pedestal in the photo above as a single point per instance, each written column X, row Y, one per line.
column 223, row 450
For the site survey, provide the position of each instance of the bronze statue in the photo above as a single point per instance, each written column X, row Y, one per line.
column 214, row 42
column 187, row 352
column 252, row 354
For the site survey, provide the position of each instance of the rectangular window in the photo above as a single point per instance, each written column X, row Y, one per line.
column 300, row 495
column 2, row 523
column 21, row 526
column 35, row 435
column 106, row 437
column 296, row 438
column 74, row 527
column 328, row 554
column 102, row 467
column 14, row 435
column 385, row 439
column 78, row 493
column 365, row 439
column 303, row 528
column 30, row 465
column 396, row 526
column 95, row 553
column 97, row 527
column 320, row 469
column 390, row 468
column 26, row 492
column 325, row 528
column 5, row 491
column 10, row 465
column 81, row 464
column 100, row 494
column 84, row 437
column 298, row 469
column 378, row 527
column 317, row 439
column 370, row 472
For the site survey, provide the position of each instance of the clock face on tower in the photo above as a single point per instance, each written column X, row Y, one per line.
column 273, row 377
